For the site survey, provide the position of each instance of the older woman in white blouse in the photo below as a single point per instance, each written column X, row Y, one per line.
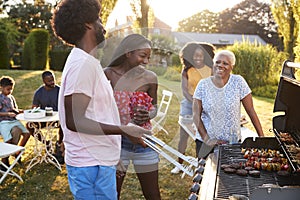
column 217, row 102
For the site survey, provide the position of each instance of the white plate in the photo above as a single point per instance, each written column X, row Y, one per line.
column 29, row 115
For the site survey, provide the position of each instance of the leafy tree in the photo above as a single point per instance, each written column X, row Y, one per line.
column 141, row 9
column 284, row 14
column 28, row 16
column 2, row 5
column 250, row 17
column 247, row 17
column 297, row 17
column 203, row 22
column 106, row 8
column 162, row 47
column 12, row 33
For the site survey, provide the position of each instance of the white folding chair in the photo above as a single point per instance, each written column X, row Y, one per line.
column 157, row 122
column 8, row 150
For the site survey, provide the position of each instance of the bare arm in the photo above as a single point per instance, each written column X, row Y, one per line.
column 153, row 93
column 142, row 115
column 75, row 107
column 248, row 105
column 9, row 114
column 184, row 86
column 197, row 111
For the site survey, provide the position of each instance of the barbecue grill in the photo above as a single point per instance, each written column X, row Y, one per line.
column 270, row 185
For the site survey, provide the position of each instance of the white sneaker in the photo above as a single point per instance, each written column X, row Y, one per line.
column 176, row 170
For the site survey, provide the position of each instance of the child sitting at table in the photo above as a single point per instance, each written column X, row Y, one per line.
column 10, row 128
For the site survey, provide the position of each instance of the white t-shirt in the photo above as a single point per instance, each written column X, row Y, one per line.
column 83, row 74
column 222, row 106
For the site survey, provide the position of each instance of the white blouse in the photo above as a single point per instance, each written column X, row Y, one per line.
column 222, row 106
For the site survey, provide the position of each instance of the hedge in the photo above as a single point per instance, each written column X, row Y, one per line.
column 57, row 59
column 36, row 47
column 4, row 51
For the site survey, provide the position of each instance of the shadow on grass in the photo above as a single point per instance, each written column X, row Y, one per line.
column 43, row 181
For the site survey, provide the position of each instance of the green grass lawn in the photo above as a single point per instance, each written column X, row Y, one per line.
column 44, row 181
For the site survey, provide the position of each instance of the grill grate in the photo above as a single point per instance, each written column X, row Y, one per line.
column 229, row 184
column 290, row 155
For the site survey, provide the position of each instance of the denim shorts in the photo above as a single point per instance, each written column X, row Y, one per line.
column 145, row 158
column 6, row 126
column 138, row 154
column 93, row 183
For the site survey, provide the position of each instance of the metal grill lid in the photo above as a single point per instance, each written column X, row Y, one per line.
column 288, row 100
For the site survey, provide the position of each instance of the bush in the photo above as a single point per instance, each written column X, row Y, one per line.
column 259, row 65
column 175, row 60
column 160, row 71
column 4, row 51
column 57, row 59
column 172, row 74
column 25, row 64
column 268, row 91
column 17, row 57
column 36, row 47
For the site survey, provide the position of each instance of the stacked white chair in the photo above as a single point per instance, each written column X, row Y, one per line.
column 157, row 122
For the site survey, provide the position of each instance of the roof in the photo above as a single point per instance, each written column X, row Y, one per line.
column 217, row 39
column 160, row 24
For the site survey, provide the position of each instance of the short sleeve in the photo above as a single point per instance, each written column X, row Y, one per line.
column 244, row 87
column 83, row 78
column 198, row 94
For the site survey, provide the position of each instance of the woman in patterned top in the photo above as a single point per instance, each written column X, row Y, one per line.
column 217, row 102
column 135, row 90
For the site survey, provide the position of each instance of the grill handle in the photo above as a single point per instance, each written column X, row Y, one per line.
column 288, row 69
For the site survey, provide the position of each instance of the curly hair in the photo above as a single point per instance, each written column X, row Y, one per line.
column 129, row 43
column 6, row 81
column 70, row 17
column 187, row 52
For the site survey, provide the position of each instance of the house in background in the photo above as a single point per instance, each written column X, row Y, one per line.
column 181, row 38
column 217, row 39
column 122, row 30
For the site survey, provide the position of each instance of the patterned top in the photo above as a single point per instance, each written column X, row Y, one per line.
column 7, row 104
column 222, row 106
column 126, row 101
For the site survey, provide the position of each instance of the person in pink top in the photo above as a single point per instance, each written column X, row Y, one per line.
column 87, row 109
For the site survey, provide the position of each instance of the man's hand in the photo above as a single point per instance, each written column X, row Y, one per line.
column 121, row 169
column 134, row 133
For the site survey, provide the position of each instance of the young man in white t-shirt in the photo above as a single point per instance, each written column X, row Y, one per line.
column 88, row 113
